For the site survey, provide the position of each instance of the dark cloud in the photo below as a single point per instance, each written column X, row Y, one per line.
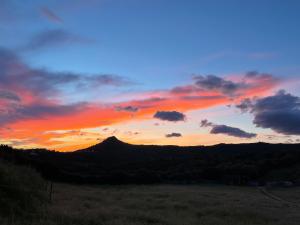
column 245, row 105
column 173, row 135
column 258, row 75
column 107, row 79
column 184, row 89
column 15, row 73
column 280, row 112
column 212, row 82
column 16, row 112
column 7, row 95
column 53, row 38
column 226, row 87
column 252, row 74
column 205, row 123
column 226, row 130
column 231, row 131
column 169, row 116
column 27, row 93
column 127, row 108
column 199, row 97
column 50, row 15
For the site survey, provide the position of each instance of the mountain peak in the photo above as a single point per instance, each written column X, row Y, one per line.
column 113, row 140
column 111, row 144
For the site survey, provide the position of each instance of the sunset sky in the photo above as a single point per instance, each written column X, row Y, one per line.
column 182, row 72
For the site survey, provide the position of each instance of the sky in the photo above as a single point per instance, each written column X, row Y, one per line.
column 180, row 72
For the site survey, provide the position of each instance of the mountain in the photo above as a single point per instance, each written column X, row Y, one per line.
column 113, row 141
column 110, row 144
column 116, row 162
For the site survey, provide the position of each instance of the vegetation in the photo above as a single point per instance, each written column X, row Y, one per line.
column 165, row 205
column 22, row 191
column 115, row 162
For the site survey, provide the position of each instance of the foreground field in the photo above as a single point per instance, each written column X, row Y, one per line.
column 167, row 205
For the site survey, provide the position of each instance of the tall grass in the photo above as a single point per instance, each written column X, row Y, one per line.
column 139, row 205
column 165, row 205
column 22, row 191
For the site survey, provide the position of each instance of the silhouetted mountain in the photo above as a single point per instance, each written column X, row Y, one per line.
column 110, row 144
column 112, row 141
column 116, row 162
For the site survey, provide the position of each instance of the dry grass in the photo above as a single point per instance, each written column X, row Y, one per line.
column 165, row 205
column 22, row 191
column 290, row 194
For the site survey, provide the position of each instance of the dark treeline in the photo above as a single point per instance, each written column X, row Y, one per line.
column 116, row 162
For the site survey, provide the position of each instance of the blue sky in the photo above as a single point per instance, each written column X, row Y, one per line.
column 161, row 38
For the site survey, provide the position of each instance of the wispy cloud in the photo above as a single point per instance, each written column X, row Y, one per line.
column 50, row 15
column 16, row 74
column 128, row 108
column 53, row 38
column 226, row 130
column 8, row 95
column 219, row 86
column 27, row 93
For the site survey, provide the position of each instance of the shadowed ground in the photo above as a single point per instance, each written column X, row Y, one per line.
column 174, row 205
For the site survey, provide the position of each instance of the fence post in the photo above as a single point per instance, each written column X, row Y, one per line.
column 50, row 192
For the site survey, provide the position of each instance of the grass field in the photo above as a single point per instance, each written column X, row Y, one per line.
column 167, row 205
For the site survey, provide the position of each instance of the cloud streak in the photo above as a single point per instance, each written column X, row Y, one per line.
column 128, row 108
column 171, row 135
column 16, row 75
column 212, row 82
column 50, row 15
column 231, row 131
column 219, row 87
column 10, row 96
column 53, row 38
column 226, row 130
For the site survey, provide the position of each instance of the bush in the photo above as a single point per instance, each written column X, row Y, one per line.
column 22, row 190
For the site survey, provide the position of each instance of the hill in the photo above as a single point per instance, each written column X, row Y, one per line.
column 117, row 162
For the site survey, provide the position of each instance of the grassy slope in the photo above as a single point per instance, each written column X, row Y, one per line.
column 22, row 191
column 174, row 205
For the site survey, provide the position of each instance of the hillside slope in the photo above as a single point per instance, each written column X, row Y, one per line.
column 116, row 162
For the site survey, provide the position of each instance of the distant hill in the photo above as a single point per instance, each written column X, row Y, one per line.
column 115, row 162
